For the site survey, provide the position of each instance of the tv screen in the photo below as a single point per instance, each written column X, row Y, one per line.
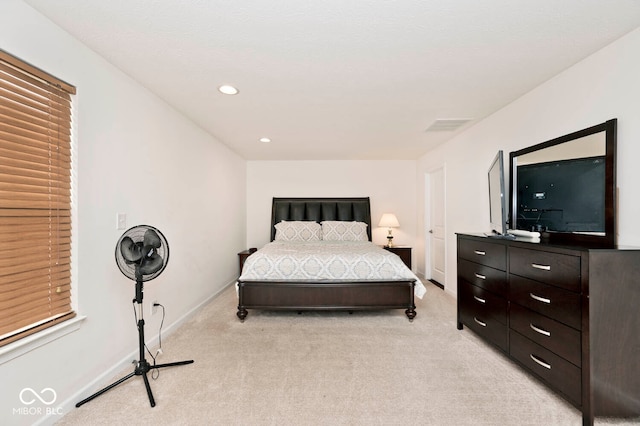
column 497, row 210
column 566, row 196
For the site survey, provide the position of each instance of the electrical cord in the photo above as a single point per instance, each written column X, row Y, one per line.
column 156, row 372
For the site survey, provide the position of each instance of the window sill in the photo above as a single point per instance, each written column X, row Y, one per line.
column 34, row 341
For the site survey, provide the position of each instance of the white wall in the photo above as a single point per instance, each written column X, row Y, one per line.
column 601, row 87
column 136, row 155
column 391, row 185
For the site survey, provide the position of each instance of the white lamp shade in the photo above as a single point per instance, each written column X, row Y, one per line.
column 389, row 220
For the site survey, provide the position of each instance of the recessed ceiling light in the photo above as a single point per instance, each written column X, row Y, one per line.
column 265, row 140
column 228, row 90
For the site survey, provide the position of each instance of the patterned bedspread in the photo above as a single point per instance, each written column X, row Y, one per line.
column 327, row 260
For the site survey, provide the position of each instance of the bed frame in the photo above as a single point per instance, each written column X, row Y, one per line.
column 326, row 294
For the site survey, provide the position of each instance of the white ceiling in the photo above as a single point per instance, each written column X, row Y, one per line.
column 339, row 79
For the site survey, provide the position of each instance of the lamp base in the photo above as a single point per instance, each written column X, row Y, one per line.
column 390, row 241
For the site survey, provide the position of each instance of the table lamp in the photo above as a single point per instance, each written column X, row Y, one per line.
column 389, row 220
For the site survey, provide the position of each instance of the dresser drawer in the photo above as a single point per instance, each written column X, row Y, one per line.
column 561, row 270
column 483, row 303
column 553, row 335
column 483, row 276
column 554, row 302
column 482, row 320
column 485, row 253
column 556, row 371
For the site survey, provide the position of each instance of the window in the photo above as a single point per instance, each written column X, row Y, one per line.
column 35, row 199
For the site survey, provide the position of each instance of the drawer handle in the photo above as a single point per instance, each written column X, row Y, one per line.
column 542, row 267
column 539, row 330
column 539, row 299
column 540, row 362
column 484, row 324
column 482, row 277
column 479, row 300
column 480, row 253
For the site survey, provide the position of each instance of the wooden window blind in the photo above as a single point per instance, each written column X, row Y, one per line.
column 35, row 199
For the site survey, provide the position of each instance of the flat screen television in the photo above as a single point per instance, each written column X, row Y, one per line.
column 497, row 204
column 565, row 188
column 564, row 195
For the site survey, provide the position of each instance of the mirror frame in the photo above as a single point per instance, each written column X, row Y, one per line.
column 610, row 216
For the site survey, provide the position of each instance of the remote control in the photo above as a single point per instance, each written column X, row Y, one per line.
column 523, row 233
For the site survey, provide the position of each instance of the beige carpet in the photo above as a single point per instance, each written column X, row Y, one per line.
column 330, row 368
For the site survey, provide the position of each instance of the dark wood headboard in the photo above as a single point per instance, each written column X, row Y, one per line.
column 319, row 209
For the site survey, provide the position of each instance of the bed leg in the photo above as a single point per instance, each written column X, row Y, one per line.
column 411, row 314
column 242, row 313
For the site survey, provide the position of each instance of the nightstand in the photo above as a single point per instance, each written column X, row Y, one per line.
column 242, row 256
column 404, row 252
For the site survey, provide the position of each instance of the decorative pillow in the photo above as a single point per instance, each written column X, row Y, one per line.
column 298, row 231
column 344, row 231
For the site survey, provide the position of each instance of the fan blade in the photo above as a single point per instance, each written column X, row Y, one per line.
column 151, row 264
column 152, row 239
column 131, row 252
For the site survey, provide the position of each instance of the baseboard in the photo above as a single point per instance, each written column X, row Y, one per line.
column 154, row 341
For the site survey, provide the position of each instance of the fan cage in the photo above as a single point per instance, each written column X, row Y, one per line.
column 136, row 233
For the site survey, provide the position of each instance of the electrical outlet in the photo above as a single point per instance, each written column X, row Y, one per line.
column 154, row 309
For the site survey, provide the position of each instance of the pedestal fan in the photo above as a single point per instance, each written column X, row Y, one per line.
column 142, row 253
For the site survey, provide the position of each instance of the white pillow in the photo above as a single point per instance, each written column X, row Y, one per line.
column 344, row 231
column 298, row 231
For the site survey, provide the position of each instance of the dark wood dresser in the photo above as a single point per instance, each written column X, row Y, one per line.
column 569, row 315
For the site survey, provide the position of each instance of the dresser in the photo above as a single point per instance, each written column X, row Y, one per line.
column 568, row 315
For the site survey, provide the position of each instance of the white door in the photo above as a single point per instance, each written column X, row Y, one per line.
column 435, row 232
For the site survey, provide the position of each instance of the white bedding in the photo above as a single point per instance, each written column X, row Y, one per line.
column 326, row 260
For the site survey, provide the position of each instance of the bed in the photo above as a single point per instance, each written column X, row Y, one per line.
column 300, row 271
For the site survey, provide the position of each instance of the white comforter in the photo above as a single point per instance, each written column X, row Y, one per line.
column 327, row 260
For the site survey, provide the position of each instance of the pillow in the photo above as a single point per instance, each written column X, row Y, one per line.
column 298, row 231
column 344, row 231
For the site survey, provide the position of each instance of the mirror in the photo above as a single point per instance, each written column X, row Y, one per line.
column 565, row 188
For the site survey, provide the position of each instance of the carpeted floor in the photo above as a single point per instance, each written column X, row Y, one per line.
column 331, row 368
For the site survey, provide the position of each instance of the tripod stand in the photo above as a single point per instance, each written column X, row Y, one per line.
column 142, row 367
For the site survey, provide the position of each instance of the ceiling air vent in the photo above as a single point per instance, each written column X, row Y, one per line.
column 447, row 124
